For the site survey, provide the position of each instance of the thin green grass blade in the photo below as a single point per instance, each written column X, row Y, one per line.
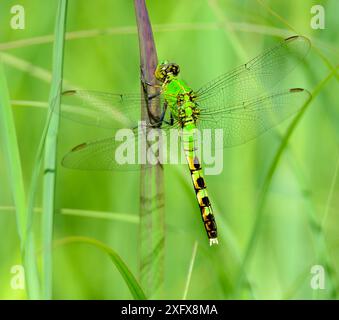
column 269, row 178
column 10, row 145
column 133, row 285
column 7, row 129
column 116, row 216
column 229, row 31
column 51, row 151
column 190, row 270
column 27, row 103
column 32, row 193
column 330, row 193
column 322, row 254
column 31, row 271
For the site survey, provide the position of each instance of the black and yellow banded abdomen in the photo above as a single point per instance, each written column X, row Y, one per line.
column 203, row 199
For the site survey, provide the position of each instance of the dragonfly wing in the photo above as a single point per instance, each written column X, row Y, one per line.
column 103, row 109
column 126, row 150
column 246, row 121
column 256, row 77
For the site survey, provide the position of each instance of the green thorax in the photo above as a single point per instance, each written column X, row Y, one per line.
column 180, row 99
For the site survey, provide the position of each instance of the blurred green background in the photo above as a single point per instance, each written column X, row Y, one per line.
column 297, row 226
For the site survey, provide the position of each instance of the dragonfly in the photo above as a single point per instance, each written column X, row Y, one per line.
column 243, row 103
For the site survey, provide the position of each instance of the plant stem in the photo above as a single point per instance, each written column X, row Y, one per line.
column 51, row 143
column 152, row 225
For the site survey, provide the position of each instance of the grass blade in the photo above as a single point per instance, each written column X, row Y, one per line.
column 51, row 150
column 129, row 278
column 190, row 270
column 7, row 130
column 116, row 216
column 269, row 178
column 10, row 145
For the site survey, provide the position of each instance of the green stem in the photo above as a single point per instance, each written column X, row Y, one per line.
column 51, row 143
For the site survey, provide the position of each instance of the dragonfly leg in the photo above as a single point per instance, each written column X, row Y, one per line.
column 163, row 112
column 171, row 122
column 154, row 95
column 160, row 119
column 172, row 119
column 154, row 85
column 147, row 83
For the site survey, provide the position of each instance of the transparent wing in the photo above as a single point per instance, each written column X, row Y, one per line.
column 256, row 77
column 99, row 155
column 247, row 120
column 103, row 109
column 112, row 111
column 125, row 150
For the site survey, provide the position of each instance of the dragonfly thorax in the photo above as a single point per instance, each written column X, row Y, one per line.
column 165, row 71
column 188, row 113
column 184, row 97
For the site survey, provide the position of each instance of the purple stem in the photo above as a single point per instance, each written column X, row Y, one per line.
column 151, row 180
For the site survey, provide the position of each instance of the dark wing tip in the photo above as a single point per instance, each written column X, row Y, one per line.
column 69, row 92
column 296, row 37
column 306, row 92
column 291, row 38
column 296, row 90
column 79, row 147
column 65, row 160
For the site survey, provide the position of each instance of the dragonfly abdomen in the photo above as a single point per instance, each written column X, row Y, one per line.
column 199, row 183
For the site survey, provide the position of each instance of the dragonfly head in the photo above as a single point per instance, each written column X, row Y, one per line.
column 165, row 70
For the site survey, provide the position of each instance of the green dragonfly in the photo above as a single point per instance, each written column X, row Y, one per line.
column 241, row 103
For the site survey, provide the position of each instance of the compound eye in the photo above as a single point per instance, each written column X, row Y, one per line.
column 175, row 69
